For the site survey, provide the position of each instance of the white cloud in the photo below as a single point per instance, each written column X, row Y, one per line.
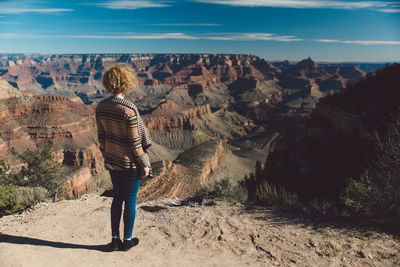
column 33, row 10
column 126, row 4
column 362, row 42
column 10, row 35
column 150, row 36
column 182, row 24
column 251, row 37
column 373, row 42
column 389, row 10
column 327, row 41
column 333, row 4
column 184, row 36
column 12, row 8
column 159, row 36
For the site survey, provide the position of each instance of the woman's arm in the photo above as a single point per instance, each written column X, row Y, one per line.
column 101, row 135
column 134, row 139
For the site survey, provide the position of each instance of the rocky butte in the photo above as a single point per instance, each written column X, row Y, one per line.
column 210, row 115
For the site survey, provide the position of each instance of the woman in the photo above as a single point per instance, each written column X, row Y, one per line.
column 123, row 142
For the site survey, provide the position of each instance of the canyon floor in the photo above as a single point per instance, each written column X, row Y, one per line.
column 174, row 233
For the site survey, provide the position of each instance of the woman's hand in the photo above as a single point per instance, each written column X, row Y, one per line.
column 146, row 171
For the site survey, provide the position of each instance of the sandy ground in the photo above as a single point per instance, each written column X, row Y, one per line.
column 74, row 233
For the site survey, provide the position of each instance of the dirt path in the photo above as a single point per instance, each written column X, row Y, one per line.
column 73, row 233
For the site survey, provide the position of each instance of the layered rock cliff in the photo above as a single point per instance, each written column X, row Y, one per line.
column 67, row 126
column 184, row 176
column 80, row 75
column 169, row 116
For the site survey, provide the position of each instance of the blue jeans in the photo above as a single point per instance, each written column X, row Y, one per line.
column 125, row 187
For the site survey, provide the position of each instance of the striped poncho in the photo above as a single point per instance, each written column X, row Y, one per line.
column 122, row 135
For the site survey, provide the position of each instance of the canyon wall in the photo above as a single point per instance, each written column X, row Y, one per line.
column 80, row 75
column 188, row 102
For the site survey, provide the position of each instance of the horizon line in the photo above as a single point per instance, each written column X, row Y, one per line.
column 322, row 61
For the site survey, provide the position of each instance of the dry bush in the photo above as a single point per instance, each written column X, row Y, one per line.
column 103, row 180
column 29, row 196
column 222, row 190
column 278, row 196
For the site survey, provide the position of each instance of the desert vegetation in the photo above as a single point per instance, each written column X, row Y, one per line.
column 40, row 179
column 377, row 192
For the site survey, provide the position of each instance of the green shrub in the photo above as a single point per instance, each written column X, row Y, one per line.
column 8, row 200
column 41, row 171
column 361, row 196
column 377, row 192
column 6, row 176
column 317, row 207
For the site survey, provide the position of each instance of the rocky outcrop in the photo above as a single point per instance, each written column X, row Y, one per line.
column 317, row 155
column 172, row 116
column 89, row 157
column 168, row 181
column 186, row 174
column 211, row 164
column 7, row 90
column 78, row 183
column 328, row 78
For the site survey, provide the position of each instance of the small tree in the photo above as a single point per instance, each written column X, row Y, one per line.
column 6, row 176
column 41, row 170
column 8, row 200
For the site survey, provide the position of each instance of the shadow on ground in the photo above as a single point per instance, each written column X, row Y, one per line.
column 346, row 224
column 22, row 240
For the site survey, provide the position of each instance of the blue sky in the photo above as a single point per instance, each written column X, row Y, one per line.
column 326, row 30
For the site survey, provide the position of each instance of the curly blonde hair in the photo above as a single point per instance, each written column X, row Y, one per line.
column 119, row 79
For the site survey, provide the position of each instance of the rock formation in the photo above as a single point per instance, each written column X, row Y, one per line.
column 186, row 100
column 318, row 154
column 80, row 75
column 172, row 116
column 186, row 174
column 67, row 126
column 78, row 183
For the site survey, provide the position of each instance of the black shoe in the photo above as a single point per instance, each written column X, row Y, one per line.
column 116, row 244
column 128, row 244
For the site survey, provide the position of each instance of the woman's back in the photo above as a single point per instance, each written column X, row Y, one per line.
column 118, row 134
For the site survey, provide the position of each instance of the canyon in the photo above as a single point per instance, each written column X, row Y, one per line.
column 341, row 139
column 209, row 116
